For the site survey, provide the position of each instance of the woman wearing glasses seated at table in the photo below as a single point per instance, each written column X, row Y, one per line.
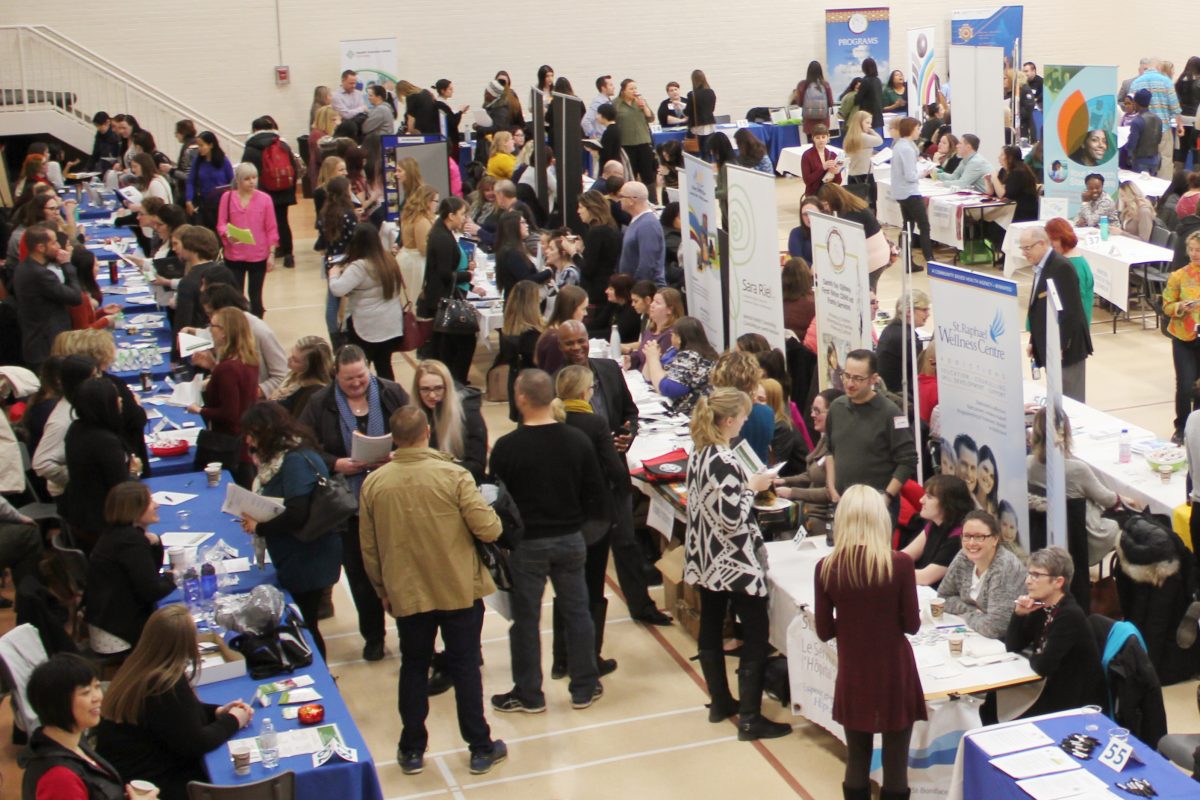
column 809, row 487
column 985, row 578
column 152, row 724
column 456, row 425
column 945, row 504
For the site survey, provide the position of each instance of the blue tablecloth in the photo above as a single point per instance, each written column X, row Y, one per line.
column 172, row 465
column 982, row 780
column 775, row 137
column 87, row 211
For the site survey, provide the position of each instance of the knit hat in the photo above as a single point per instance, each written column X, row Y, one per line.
column 1142, row 98
column 495, row 88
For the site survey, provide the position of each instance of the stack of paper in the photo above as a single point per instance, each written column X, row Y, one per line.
column 190, row 344
column 188, row 393
column 240, row 502
column 370, row 449
column 1032, row 763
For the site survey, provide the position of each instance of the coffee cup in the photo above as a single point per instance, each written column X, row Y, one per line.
column 142, row 788
column 956, row 644
column 241, row 759
column 177, row 557
column 212, row 472
column 937, row 606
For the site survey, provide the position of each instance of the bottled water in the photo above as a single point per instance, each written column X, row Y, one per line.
column 614, row 344
column 192, row 595
column 208, row 581
column 1124, row 449
column 268, row 744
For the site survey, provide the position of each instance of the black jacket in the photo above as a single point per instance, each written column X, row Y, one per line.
column 253, row 153
column 889, row 351
column 870, row 99
column 1069, row 662
column 518, row 352
column 43, row 754
column 1133, row 686
column 42, row 301
column 1073, row 329
column 619, row 406
column 96, row 461
column 106, row 150
column 167, row 746
column 474, row 458
column 188, row 311
column 442, row 257
column 700, row 108
column 133, row 423
column 124, row 585
column 514, row 266
column 321, row 416
column 422, row 107
column 612, row 465
column 601, row 254
column 628, row 322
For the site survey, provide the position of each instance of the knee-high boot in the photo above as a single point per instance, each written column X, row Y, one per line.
column 712, row 665
column 751, row 723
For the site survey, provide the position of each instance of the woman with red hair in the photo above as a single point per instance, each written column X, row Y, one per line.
column 1064, row 241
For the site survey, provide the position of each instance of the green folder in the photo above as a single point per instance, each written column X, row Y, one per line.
column 240, row 235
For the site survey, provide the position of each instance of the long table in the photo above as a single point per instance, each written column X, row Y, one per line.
column 775, row 137
column 946, row 205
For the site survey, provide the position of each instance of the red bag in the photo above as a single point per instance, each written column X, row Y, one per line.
column 278, row 170
column 667, row 468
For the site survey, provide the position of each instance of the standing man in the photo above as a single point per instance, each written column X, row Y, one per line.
column 419, row 516
column 1073, row 329
column 553, row 475
column 44, row 285
column 1164, row 104
column 870, row 440
column 605, row 92
column 1146, row 132
column 644, row 250
column 612, row 401
column 106, row 147
column 1031, row 101
column 1143, row 65
column 197, row 247
column 348, row 100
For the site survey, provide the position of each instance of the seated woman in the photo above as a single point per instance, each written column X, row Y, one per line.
column 800, row 238
column 809, row 486
column 740, row 370
column 946, row 502
column 752, row 153
column 984, row 579
column 456, row 423
column 1137, row 213
column 560, row 250
column 664, row 310
column 152, row 724
column 617, row 311
column 787, row 446
column 681, row 374
column 513, row 263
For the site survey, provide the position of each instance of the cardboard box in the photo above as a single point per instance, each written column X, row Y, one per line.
column 681, row 599
column 233, row 664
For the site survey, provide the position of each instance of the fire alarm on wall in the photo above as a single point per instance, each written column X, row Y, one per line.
column 283, row 76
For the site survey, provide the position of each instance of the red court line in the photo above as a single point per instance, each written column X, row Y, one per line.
column 690, row 671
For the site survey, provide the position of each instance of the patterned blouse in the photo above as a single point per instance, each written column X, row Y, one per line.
column 689, row 372
column 723, row 541
column 1182, row 285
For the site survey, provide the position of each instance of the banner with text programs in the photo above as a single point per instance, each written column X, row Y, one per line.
column 701, row 249
column 851, row 36
column 843, row 293
column 755, row 278
column 979, row 356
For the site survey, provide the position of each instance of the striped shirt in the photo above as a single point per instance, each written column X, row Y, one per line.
column 1164, row 103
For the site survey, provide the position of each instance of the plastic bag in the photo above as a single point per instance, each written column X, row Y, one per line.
column 257, row 612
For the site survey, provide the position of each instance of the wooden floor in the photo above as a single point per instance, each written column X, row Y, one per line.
column 649, row 735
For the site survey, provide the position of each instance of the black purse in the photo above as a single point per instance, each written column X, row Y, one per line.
column 456, row 315
column 282, row 650
column 330, row 505
column 224, row 448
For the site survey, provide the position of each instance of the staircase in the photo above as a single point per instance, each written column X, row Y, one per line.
column 51, row 84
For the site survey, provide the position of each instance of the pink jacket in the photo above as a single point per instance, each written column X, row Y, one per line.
column 258, row 218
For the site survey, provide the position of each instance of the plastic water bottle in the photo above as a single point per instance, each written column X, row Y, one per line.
column 1104, row 229
column 260, row 551
column 1124, row 452
column 614, row 344
column 192, row 594
column 208, row 581
column 268, row 744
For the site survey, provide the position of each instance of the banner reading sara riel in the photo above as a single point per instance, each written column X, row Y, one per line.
column 701, row 254
column 980, row 392
column 852, row 35
column 843, row 293
column 1080, row 131
column 755, row 279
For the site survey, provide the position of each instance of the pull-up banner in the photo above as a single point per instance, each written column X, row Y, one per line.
column 852, row 35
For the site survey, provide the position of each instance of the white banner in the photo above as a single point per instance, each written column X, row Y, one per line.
column 1056, row 477
column 701, row 254
column 755, row 277
column 843, row 293
column 923, row 80
column 979, row 355
column 375, row 60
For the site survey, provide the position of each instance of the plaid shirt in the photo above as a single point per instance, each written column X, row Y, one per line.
column 1164, row 103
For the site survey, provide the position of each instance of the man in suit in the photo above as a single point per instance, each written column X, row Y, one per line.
column 1073, row 329
column 612, row 401
column 644, row 250
column 44, row 285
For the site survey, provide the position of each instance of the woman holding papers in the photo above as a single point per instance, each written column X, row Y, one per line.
column 984, row 579
column 123, row 582
column 248, row 231
column 152, row 725
column 873, row 591
column 456, row 423
column 288, row 466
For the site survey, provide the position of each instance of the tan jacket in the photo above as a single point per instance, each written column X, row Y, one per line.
column 417, row 516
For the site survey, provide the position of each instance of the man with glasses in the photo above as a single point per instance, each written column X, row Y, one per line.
column 644, row 250
column 870, row 440
column 1073, row 331
column 1050, row 625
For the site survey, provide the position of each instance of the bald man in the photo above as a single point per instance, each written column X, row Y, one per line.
column 643, row 251
column 1073, row 328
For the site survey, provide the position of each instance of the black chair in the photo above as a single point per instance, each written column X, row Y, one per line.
column 39, row 510
column 1077, row 545
column 276, row 787
column 1183, row 749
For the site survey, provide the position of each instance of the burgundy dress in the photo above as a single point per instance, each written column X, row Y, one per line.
column 878, row 689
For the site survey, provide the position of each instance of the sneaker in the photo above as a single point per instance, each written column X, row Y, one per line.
column 585, row 699
column 373, row 651
column 511, row 701
column 606, row 666
column 482, row 763
column 412, row 762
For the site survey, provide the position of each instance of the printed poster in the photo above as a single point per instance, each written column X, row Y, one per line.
column 755, row 279
column 998, row 26
column 979, row 355
column 843, row 293
column 1080, row 133
column 924, row 83
column 375, row 60
column 851, row 36
column 701, row 251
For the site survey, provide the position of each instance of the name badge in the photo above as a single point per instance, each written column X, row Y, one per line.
column 900, row 423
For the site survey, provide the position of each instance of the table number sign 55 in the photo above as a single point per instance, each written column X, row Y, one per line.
column 1116, row 754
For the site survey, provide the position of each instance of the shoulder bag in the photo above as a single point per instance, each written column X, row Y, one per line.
column 331, row 503
column 456, row 315
column 414, row 332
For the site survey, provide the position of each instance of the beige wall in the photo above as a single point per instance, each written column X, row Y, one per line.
column 218, row 56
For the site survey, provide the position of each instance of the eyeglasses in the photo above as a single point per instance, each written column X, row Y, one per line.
column 625, row 197
column 976, row 537
column 1025, row 247
column 431, row 389
column 1036, row 575
column 850, row 377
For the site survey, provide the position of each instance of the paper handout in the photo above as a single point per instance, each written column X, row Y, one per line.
column 239, row 502
column 370, row 449
column 190, row 344
column 187, row 393
column 239, row 235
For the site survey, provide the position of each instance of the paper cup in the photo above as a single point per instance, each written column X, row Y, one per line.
column 212, row 472
column 937, row 606
column 178, row 559
column 956, row 644
column 142, row 788
column 1165, row 472
column 241, row 760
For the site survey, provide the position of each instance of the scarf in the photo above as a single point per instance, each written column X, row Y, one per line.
column 577, row 406
column 375, row 424
column 267, row 471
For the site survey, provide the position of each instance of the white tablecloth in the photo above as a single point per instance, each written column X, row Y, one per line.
column 1151, row 186
column 946, row 207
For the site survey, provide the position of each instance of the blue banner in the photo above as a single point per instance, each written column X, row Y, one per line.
column 999, row 26
column 851, row 36
column 1080, row 135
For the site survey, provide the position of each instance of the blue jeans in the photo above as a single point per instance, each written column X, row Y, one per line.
column 561, row 559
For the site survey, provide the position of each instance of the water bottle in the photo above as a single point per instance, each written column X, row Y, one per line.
column 119, row 320
column 268, row 744
column 260, row 551
column 192, row 595
column 614, row 344
column 208, row 581
column 1104, row 229
column 1124, row 452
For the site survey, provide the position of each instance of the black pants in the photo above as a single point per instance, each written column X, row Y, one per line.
column 455, row 350
column 914, row 212
column 1186, row 356
column 284, row 248
column 859, row 747
column 256, row 271
column 641, row 158
column 366, row 602
column 309, row 604
column 1187, row 144
column 378, row 353
column 594, row 569
column 628, row 559
column 994, row 232
column 751, row 612
column 460, row 631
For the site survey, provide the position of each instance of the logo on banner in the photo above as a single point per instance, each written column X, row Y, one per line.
column 858, row 23
column 966, row 32
column 997, row 328
column 835, row 246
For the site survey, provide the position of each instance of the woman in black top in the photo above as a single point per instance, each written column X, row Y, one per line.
column 601, row 246
column 946, row 501
column 700, row 108
column 513, row 263
column 1013, row 180
column 456, row 423
column 519, row 335
column 1188, row 90
column 870, row 93
column 617, row 311
column 97, row 459
column 123, row 582
column 447, row 272
column 152, row 724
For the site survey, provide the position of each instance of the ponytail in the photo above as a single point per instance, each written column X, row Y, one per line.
column 558, row 410
column 710, row 411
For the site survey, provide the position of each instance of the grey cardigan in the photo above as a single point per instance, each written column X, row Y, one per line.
column 1002, row 585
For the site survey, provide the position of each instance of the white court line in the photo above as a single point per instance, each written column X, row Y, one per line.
column 448, row 777
column 487, row 612
column 419, row 795
column 295, row 308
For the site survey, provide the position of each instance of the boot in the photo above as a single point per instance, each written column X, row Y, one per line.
column 892, row 794
column 558, row 666
column 751, row 723
column 599, row 614
column 723, row 706
column 861, row 793
column 326, row 611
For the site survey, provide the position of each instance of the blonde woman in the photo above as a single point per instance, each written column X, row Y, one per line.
column 249, row 233
column 523, row 326
column 456, row 425
column 725, row 560
column 310, row 369
column 742, row 371
column 416, row 220
column 859, row 578
column 786, row 445
column 501, row 161
column 332, row 167
column 323, row 118
column 1137, row 213
column 408, row 178
column 233, row 386
column 860, row 143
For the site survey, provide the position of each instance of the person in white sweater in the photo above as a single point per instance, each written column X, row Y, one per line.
column 369, row 279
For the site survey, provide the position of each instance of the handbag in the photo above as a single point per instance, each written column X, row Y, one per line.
column 330, row 504
column 456, row 315
column 691, row 144
column 224, row 448
column 278, row 651
column 1105, row 600
column 414, row 332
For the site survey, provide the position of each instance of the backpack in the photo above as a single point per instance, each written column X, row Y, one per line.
column 816, row 103
column 278, row 171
